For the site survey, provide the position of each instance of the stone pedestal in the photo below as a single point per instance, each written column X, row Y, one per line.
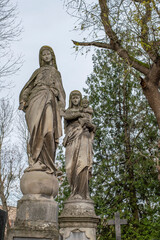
column 78, row 220
column 37, row 211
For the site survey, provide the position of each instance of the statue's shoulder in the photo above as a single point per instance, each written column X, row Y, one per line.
column 33, row 76
column 56, row 71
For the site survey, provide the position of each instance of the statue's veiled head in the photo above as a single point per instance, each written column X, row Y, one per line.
column 53, row 60
column 75, row 93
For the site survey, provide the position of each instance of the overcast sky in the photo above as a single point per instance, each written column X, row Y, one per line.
column 45, row 22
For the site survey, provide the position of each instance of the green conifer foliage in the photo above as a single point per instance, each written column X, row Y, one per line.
column 124, row 170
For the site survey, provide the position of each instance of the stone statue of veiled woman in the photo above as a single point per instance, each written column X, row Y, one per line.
column 78, row 142
column 42, row 99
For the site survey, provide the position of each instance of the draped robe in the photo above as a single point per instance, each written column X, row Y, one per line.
column 78, row 155
column 44, row 97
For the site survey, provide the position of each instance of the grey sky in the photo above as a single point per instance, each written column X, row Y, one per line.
column 45, row 22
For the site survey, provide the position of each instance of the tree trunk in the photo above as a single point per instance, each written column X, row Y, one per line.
column 152, row 94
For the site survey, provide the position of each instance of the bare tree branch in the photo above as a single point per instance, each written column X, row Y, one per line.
column 145, row 32
column 10, row 157
column 140, row 66
column 10, row 30
column 115, row 42
column 94, row 43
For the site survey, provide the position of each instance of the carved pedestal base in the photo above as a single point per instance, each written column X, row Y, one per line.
column 37, row 213
column 78, row 220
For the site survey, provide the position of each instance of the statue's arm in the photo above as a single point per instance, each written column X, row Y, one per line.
column 61, row 93
column 24, row 97
column 70, row 115
column 88, row 110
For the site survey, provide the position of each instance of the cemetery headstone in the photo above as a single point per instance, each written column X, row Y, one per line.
column 117, row 222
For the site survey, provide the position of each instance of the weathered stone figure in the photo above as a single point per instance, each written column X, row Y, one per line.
column 78, row 143
column 42, row 99
column 78, row 219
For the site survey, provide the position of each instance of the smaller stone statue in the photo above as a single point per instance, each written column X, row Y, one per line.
column 78, row 210
column 79, row 132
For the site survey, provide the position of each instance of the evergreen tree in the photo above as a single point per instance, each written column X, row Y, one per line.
column 124, row 172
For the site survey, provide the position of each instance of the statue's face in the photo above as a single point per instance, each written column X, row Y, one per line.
column 75, row 100
column 85, row 104
column 46, row 56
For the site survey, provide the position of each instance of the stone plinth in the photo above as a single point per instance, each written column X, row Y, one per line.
column 37, row 211
column 78, row 220
column 37, row 182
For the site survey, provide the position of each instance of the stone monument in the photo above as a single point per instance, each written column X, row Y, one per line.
column 117, row 222
column 78, row 219
column 43, row 101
